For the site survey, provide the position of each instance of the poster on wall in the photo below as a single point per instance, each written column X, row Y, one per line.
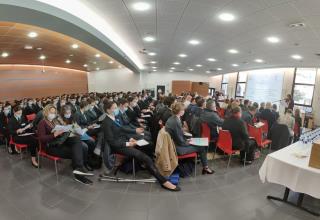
column 265, row 85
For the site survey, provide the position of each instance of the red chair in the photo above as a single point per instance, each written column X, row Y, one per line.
column 265, row 127
column 224, row 143
column 18, row 147
column 206, row 132
column 221, row 112
column 257, row 134
column 191, row 155
column 31, row 117
column 43, row 153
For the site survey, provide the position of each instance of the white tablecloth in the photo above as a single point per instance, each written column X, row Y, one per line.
column 284, row 168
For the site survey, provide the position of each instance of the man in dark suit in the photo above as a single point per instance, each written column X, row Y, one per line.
column 30, row 108
column 5, row 116
column 248, row 116
column 239, row 134
column 81, row 118
column 267, row 115
column 211, row 117
column 72, row 102
column 91, row 115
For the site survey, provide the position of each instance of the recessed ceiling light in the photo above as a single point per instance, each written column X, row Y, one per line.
column 97, row 68
column 176, row 63
column 152, row 54
column 211, row 59
column 154, row 67
column 273, row 39
column 42, row 57
column 208, row 71
column 32, row 34
column 258, row 61
column 111, row 62
column 97, row 55
column 233, row 51
column 75, row 46
column 296, row 56
column 191, row 69
column 194, row 42
column 71, row 55
column 219, row 69
column 226, row 17
column 153, row 62
column 68, row 61
column 198, row 65
column 182, row 55
column 154, row 70
column 4, row 54
column 171, row 71
column 173, row 68
column 141, row 6
column 85, row 65
column 235, row 65
column 149, row 39
column 28, row 47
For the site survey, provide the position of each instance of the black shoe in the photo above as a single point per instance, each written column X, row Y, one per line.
column 83, row 180
column 82, row 172
column 248, row 162
column 88, row 167
column 177, row 189
column 35, row 166
column 207, row 171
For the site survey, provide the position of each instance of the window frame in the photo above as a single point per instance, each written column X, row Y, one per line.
column 303, row 84
column 224, row 83
column 240, row 82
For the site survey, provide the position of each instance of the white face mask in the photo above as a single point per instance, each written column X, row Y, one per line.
column 6, row 111
column 67, row 116
column 51, row 116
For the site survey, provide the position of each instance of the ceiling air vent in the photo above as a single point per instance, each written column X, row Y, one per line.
column 297, row 25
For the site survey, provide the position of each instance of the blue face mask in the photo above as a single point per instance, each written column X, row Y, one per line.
column 116, row 112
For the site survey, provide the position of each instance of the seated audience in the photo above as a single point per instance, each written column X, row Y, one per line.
column 275, row 111
column 211, row 117
column 63, row 144
column 183, row 146
column 240, row 137
column 248, row 115
column 128, row 147
column 21, row 133
column 266, row 114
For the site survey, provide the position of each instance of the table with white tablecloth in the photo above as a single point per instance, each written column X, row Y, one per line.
column 290, row 167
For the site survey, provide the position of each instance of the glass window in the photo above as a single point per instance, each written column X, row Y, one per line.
column 225, row 78
column 306, row 76
column 224, row 88
column 303, row 94
column 242, row 77
column 241, row 89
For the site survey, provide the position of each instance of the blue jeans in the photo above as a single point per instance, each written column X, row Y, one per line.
column 202, row 150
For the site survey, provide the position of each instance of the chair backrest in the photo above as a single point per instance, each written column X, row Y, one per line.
column 256, row 133
column 31, row 117
column 221, row 112
column 205, row 131
column 225, row 141
column 265, row 127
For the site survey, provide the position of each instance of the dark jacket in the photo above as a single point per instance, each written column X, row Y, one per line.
column 81, row 119
column 239, row 132
column 174, row 128
column 212, row 119
column 91, row 116
column 133, row 116
column 15, row 124
column 30, row 110
column 247, row 117
column 112, row 134
column 279, row 135
column 4, row 120
column 267, row 115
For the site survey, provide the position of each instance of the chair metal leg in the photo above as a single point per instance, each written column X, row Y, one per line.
column 215, row 151
column 56, row 168
column 195, row 166
column 133, row 168
column 245, row 159
column 229, row 161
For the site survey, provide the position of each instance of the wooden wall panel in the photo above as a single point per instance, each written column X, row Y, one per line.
column 201, row 88
column 179, row 86
column 20, row 81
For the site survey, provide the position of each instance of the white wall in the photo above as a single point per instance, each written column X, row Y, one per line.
column 114, row 80
column 151, row 80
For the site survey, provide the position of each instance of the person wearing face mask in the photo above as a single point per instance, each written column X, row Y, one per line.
column 18, row 128
column 128, row 147
column 5, row 115
column 38, row 105
column 133, row 112
column 73, row 103
column 91, row 114
column 71, row 147
column 240, row 136
column 30, row 108
column 183, row 146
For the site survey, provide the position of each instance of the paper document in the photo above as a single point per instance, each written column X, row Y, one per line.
column 96, row 126
column 64, row 128
column 187, row 134
column 142, row 142
column 25, row 134
column 199, row 141
column 145, row 116
column 259, row 124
